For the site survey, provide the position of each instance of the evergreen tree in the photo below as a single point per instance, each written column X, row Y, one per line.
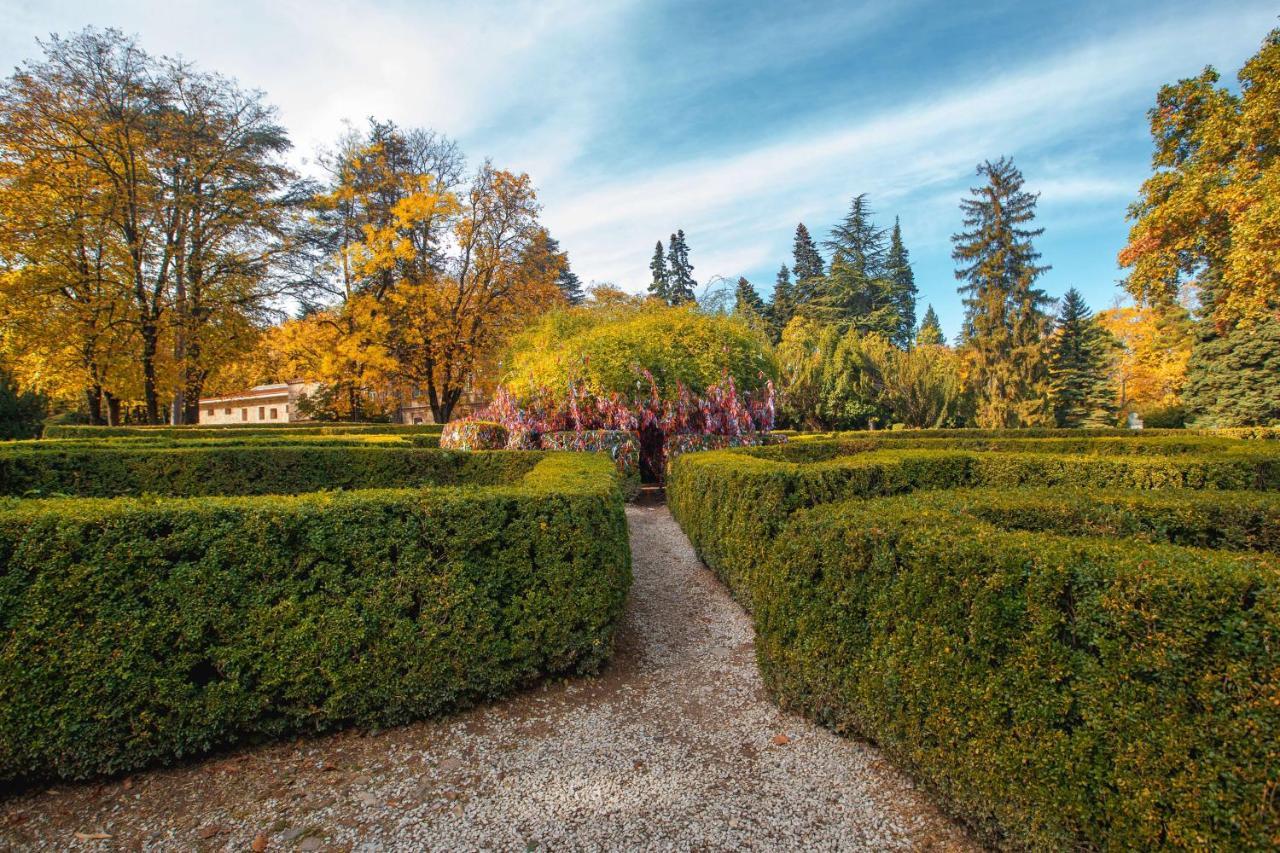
column 904, row 286
column 1080, row 350
column 567, row 280
column 1005, row 324
column 930, row 333
column 858, row 292
column 747, row 302
column 783, row 307
column 680, row 282
column 808, row 266
column 1232, row 377
column 659, row 287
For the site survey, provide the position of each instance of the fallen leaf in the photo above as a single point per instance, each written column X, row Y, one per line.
column 92, row 836
column 781, row 740
column 259, row 843
column 209, row 831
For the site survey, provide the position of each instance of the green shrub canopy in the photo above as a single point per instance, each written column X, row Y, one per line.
column 602, row 350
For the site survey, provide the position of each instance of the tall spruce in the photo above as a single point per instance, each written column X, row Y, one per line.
column 858, row 291
column 1080, row 351
column 680, row 281
column 782, row 307
column 659, row 287
column 930, row 333
column 746, row 301
column 1005, row 322
column 904, row 291
column 807, row 266
column 566, row 279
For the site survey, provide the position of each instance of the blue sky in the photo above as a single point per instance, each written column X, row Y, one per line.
column 731, row 120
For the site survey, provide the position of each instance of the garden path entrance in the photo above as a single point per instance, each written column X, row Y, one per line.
column 675, row 746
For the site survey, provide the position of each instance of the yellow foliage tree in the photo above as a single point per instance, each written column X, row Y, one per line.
column 1150, row 367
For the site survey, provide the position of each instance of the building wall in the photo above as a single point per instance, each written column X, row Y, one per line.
column 248, row 410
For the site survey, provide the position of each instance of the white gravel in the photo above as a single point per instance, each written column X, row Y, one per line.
column 674, row 747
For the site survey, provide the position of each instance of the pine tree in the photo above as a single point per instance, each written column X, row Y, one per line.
column 659, row 287
column 1232, row 375
column 783, row 307
column 567, row 280
column 858, row 291
column 1080, row 351
column 808, row 266
column 904, row 292
column 1005, row 323
column 680, row 281
column 747, row 302
column 930, row 333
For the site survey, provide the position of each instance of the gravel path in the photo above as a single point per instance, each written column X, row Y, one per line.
column 675, row 746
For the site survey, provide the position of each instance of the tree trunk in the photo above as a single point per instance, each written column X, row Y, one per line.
column 113, row 409
column 93, row 396
column 150, row 343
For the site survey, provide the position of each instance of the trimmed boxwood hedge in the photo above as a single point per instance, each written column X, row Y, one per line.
column 245, row 470
column 137, row 631
column 1057, row 692
column 731, row 503
column 223, row 430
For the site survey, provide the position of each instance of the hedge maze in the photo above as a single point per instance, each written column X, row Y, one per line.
column 166, row 594
column 1073, row 640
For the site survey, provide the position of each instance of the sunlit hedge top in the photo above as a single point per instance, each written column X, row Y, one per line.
column 604, row 351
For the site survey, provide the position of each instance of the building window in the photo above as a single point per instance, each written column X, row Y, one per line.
column 262, row 413
column 244, row 414
column 211, row 413
column 275, row 415
column 228, row 410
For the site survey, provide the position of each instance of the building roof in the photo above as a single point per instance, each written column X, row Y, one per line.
column 258, row 392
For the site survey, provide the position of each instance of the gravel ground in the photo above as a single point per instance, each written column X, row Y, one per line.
column 675, row 746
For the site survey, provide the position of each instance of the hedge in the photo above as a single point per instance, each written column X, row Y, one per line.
column 221, row 430
column 1239, row 433
column 1057, row 692
column 246, row 470
column 139, row 631
column 229, row 440
column 474, row 435
column 623, row 447
column 731, row 503
column 812, row 448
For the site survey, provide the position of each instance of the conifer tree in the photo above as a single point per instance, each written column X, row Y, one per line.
column 783, row 307
column 1005, row 323
column 930, row 333
column 680, row 281
column 1080, row 352
column 808, row 266
column 858, row 291
column 904, row 291
column 746, row 301
column 658, row 287
column 566, row 279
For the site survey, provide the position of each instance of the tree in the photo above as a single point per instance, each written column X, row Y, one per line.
column 1149, row 368
column 446, row 327
column 1232, row 376
column 659, row 286
column 1207, row 218
column 782, row 307
column 22, row 413
column 1005, row 323
column 1080, row 355
column 903, row 291
column 1206, row 230
column 858, row 291
column 746, row 301
column 680, row 282
column 569, row 283
column 930, row 332
column 807, row 266
column 919, row 387
column 172, row 182
column 546, row 251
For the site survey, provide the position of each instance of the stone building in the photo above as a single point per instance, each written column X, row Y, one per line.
column 262, row 404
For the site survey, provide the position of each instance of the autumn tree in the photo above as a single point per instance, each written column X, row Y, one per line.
column 173, row 183
column 1005, row 322
column 1207, row 231
column 1149, row 368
